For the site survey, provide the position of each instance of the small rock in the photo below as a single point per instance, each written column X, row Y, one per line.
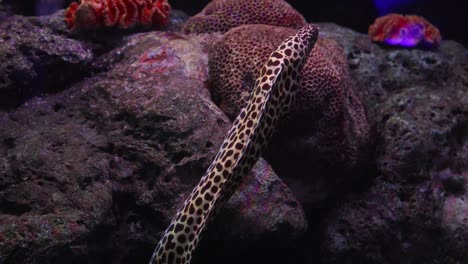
column 31, row 53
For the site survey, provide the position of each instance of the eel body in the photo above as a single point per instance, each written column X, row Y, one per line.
column 270, row 100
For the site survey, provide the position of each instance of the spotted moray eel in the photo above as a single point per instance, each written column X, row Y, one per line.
column 270, row 100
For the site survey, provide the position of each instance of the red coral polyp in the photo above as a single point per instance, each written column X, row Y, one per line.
column 117, row 13
column 404, row 30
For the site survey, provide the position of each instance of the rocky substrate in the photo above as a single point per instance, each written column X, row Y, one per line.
column 97, row 154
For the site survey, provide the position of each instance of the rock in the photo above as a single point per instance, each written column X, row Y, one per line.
column 18, row 7
column 262, row 204
column 35, row 47
column 95, row 173
column 30, row 53
column 5, row 12
column 418, row 107
column 261, row 220
column 177, row 19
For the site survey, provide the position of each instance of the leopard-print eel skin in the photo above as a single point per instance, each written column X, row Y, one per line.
column 270, row 100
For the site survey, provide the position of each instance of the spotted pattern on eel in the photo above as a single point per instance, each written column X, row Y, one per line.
column 271, row 99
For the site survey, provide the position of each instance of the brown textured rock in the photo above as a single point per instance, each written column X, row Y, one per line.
column 5, row 11
column 262, row 220
column 40, row 57
column 29, row 51
column 94, row 174
column 327, row 120
column 413, row 210
column 222, row 15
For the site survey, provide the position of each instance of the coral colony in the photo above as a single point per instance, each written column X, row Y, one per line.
column 222, row 15
column 405, row 31
column 324, row 86
column 117, row 13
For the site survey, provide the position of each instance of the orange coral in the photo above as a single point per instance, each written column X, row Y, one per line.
column 222, row 15
column 401, row 30
column 120, row 13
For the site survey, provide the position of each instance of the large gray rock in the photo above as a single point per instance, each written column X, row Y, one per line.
column 414, row 209
column 36, row 59
column 95, row 173
column 41, row 55
column 5, row 11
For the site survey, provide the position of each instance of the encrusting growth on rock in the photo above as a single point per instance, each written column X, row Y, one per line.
column 272, row 97
column 327, row 105
column 222, row 15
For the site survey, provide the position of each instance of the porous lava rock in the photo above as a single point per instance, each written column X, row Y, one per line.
column 30, row 52
column 42, row 56
column 413, row 210
column 5, row 11
column 95, row 173
column 222, row 15
column 327, row 121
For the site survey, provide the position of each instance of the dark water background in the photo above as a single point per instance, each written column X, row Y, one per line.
column 450, row 16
